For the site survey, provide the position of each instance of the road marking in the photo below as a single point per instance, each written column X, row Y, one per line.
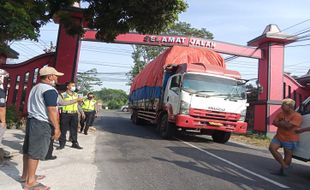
column 235, row 165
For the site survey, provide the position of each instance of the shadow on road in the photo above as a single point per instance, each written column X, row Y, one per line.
column 226, row 174
column 123, row 126
column 203, row 163
column 10, row 169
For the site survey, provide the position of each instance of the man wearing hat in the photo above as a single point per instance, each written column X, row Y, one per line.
column 42, row 116
column 287, row 121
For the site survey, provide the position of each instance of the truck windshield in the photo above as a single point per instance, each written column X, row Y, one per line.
column 214, row 86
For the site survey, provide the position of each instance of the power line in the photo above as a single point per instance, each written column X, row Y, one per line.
column 109, row 49
column 43, row 43
column 87, row 63
column 109, row 52
column 297, row 45
column 295, row 25
column 104, row 62
column 96, row 61
column 302, row 31
column 23, row 50
column 38, row 46
column 27, row 47
column 297, row 64
column 104, row 73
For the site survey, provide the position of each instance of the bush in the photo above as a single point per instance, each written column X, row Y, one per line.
column 13, row 117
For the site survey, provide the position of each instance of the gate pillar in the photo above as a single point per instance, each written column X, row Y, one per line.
column 270, row 75
column 68, row 49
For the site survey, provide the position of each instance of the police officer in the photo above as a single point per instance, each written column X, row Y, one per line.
column 69, row 117
column 89, row 107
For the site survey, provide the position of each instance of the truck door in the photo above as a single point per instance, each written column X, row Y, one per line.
column 173, row 93
column 303, row 150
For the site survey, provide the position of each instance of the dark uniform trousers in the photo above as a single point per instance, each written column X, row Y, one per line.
column 88, row 121
column 68, row 121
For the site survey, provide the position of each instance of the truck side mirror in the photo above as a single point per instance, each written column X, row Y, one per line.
column 176, row 89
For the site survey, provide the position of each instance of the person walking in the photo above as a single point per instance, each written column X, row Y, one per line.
column 287, row 121
column 69, row 118
column 42, row 114
column 89, row 107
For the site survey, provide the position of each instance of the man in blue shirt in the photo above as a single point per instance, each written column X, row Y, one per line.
column 42, row 115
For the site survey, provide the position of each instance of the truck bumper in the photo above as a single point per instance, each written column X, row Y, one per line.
column 186, row 121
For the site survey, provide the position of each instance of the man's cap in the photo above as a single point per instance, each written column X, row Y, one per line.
column 49, row 71
column 289, row 102
column 3, row 73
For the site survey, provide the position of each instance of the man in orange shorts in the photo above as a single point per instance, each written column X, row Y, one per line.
column 287, row 121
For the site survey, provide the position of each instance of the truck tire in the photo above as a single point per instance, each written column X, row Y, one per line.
column 166, row 129
column 135, row 119
column 221, row 136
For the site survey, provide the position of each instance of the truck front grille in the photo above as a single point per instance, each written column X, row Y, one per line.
column 213, row 115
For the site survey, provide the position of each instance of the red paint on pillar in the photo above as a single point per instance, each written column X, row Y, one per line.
column 273, row 110
column 276, row 70
column 270, row 76
column 66, row 55
column 259, row 118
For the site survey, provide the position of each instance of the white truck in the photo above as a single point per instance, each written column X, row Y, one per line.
column 303, row 150
column 190, row 89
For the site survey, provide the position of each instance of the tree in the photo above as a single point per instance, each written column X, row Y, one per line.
column 50, row 49
column 23, row 19
column 87, row 80
column 144, row 54
column 112, row 98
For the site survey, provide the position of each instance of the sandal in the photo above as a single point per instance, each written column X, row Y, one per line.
column 37, row 186
column 38, row 178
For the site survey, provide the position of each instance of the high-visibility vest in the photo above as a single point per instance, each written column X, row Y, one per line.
column 89, row 105
column 71, row 107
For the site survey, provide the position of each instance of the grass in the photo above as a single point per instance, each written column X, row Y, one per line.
column 252, row 139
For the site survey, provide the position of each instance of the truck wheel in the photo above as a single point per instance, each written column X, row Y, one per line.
column 135, row 119
column 221, row 136
column 166, row 129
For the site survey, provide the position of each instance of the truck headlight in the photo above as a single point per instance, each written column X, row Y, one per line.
column 184, row 108
column 242, row 115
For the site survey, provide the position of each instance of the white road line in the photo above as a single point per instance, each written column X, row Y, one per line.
column 235, row 165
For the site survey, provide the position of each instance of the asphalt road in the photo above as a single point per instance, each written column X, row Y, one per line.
column 131, row 157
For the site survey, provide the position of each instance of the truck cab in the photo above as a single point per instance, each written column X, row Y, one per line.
column 302, row 152
column 214, row 104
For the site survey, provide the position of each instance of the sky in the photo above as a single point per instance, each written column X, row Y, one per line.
column 237, row 22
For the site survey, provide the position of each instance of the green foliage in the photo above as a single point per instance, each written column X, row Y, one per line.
column 23, row 19
column 87, row 80
column 13, row 117
column 112, row 98
column 144, row 54
column 252, row 97
column 112, row 17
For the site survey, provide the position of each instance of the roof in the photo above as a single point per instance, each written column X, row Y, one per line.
column 305, row 79
column 9, row 52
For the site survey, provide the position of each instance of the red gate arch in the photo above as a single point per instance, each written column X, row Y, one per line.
column 268, row 48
